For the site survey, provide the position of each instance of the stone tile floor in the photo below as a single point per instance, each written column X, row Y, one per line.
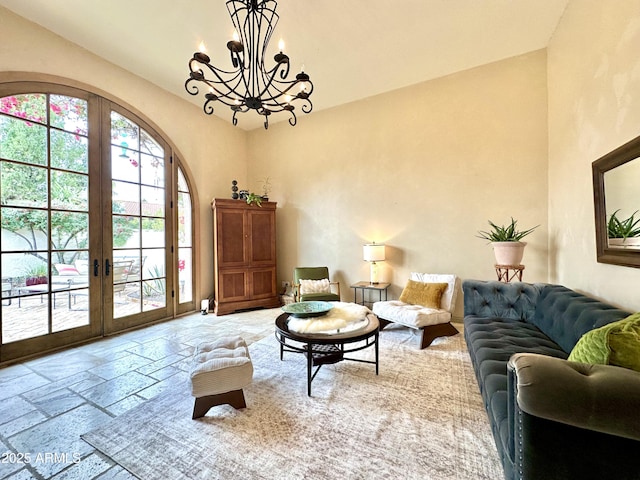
column 48, row 402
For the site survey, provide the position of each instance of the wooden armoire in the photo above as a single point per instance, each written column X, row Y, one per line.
column 244, row 244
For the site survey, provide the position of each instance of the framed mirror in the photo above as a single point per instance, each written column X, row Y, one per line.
column 616, row 195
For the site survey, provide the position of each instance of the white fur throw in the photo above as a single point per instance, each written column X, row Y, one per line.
column 314, row 286
column 342, row 315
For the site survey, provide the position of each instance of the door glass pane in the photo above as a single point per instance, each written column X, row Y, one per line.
column 69, row 113
column 70, row 284
column 139, row 224
column 153, row 232
column 23, row 141
column 150, row 146
column 124, row 164
column 152, row 201
column 126, row 198
column 69, row 151
column 44, row 217
column 69, row 230
column 21, row 137
column 25, row 305
column 126, row 233
column 124, row 132
column 24, row 229
column 23, row 185
column 185, row 260
column 185, row 253
column 152, row 170
column 31, row 106
column 69, row 191
column 154, row 286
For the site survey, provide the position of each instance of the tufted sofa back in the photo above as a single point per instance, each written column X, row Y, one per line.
column 565, row 315
column 501, row 300
column 561, row 314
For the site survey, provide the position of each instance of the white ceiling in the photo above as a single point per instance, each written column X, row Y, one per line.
column 352, row 49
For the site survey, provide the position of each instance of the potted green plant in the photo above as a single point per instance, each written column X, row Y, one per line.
column 254, row 198
column 624, row 232
column 36, row 274
column 506, row 241
column 266, row 188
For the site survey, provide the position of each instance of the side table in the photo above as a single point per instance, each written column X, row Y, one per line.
column 362, row 286
column 506, row 273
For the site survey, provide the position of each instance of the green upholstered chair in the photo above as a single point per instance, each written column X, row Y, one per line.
column 314, row 273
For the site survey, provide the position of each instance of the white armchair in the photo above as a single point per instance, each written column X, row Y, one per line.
column 432, row 320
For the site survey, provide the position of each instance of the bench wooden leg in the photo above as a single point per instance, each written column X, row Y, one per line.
column 202, row 405
column 431, row 332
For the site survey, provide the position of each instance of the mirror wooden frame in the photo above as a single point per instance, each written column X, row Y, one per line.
column 605, row 254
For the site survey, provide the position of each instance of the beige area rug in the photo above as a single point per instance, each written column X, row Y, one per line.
column 421, row 418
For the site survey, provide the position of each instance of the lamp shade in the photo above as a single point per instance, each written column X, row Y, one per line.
column 373, row 252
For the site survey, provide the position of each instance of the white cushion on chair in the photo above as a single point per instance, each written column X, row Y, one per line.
column 417, row 316
column 448, row 300
column 315, row 286
column 414, row 316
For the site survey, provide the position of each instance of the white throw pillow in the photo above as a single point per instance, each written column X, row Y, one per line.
column 314, row 286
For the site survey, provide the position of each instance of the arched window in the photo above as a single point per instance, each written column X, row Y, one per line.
column 94, row 239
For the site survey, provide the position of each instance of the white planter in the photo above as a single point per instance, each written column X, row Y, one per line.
column 631, row 242
column 508, row 253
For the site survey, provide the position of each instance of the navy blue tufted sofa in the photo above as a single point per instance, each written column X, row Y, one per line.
column 551, row 418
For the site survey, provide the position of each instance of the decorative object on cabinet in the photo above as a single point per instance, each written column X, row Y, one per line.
column 254, row 198
column 266, row 188
column 234, row 189
column 244, row 243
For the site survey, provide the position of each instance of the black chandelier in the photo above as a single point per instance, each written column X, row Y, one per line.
column 250, row 86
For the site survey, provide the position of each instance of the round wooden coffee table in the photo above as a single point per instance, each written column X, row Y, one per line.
column 321, row 349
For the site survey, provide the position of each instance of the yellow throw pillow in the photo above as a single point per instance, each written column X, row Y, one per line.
column 425, row 294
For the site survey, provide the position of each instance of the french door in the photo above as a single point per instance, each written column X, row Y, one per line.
column 86, row 216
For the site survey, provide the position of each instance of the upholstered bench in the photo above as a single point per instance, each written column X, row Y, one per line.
column 219, row 372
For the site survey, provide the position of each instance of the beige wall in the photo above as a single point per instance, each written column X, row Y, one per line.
column 213, row 150
column 594, row 107
column 420, row 169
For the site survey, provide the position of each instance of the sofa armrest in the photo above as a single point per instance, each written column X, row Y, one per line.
column 602, row 398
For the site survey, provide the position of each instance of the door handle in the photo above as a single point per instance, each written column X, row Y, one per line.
column 107, row 267
column 96, row 268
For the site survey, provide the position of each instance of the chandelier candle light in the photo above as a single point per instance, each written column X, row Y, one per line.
column 373, row 252
column 250, row 86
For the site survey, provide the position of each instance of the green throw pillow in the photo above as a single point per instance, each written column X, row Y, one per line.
column 616, row 343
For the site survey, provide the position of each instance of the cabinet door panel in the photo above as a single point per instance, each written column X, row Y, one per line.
column 233, row 286
column 262, row 249
column 263, row 283
column 231, row 234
